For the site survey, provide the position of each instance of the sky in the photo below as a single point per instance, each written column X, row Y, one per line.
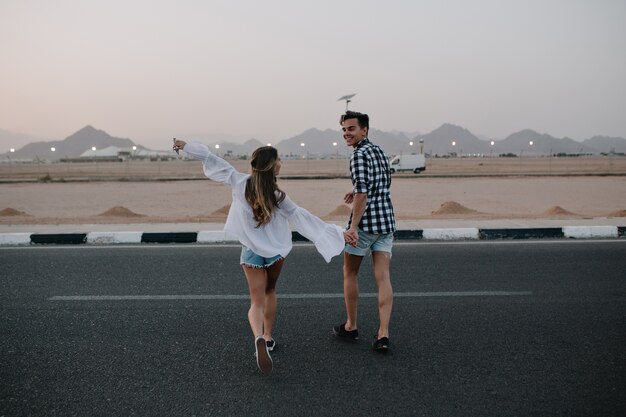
column 151, row 70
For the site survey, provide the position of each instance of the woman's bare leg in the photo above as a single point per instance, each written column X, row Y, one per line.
column 257, row 282
column 273, row 272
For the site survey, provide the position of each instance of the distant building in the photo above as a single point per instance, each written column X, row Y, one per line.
column 115, row 154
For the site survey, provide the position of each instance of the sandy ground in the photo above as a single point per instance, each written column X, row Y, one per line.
column 413, row 197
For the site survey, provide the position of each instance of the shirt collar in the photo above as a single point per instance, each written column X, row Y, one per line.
column 362, row 143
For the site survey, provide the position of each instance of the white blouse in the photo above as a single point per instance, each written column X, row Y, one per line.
column 273, row 238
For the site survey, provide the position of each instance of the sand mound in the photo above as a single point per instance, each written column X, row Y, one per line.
column 618, row 213
column 341, row 210
column 119, row 211
column 222, row 211
column 557, row 211
column 452, row 207
column 12, row 212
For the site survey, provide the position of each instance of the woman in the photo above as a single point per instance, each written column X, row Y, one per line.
column 259, row 218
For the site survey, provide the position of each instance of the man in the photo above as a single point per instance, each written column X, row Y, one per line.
column 373, row 221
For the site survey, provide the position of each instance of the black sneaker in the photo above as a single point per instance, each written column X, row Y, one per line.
column 380, row 345
column 271, row 345
column 263, row 358
column 341, row 332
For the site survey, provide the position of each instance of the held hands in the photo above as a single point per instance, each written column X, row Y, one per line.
column 351, row 237
column 178, row 145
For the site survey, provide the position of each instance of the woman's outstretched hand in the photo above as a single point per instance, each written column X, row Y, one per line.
column 178, row 145
column 350, row 237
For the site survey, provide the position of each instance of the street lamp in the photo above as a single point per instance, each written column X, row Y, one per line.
column 93, row 148
column 493, row 142
column 53, row 149
column 347, row 98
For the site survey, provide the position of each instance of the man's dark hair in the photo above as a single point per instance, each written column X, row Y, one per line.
column 362, row 118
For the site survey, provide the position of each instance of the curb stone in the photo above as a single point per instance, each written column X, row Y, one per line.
column 573, row 232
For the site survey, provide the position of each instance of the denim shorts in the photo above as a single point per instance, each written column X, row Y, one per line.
column 368, row 241
column 251, row 259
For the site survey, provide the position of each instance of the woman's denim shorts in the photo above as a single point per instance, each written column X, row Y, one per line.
column 252, row 260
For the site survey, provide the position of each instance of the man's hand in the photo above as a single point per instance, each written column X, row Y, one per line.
column 348, row 198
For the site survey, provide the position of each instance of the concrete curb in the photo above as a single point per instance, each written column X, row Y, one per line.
column 212, row 236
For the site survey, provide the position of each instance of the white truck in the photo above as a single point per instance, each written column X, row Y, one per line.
column 412, row 162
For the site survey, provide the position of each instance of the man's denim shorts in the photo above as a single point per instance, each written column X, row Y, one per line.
column 368, row 241
column 251, row 259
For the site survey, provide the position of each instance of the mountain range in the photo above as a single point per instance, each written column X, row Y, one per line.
column 445, row 140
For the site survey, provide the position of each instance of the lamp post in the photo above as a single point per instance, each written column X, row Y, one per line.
column 550, row 162
column 421, row 141
column 12, row 150
column 453, row 147
column 493, row 142
column 305, row 154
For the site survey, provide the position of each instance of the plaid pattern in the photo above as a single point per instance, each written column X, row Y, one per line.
column 369, row 169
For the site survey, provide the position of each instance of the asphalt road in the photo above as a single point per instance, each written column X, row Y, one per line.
column 497, row 328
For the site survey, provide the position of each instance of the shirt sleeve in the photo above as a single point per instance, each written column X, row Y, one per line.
column 215, row 168
column 327, row 238
column 359, row 168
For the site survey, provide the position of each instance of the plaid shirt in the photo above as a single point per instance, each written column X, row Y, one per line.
column 369, row 169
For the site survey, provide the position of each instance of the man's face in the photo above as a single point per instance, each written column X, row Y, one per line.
column 352, row 132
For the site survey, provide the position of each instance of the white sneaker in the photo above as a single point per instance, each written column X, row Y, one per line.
column 263, row 358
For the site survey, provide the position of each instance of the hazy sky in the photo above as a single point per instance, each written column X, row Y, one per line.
column 150, row 70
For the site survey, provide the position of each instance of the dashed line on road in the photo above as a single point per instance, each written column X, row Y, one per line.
column 222, row 297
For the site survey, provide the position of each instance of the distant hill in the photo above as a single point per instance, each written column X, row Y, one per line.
column 606, row 144
column 316, row 142
column 14, row 140
column 245, row 148
column 319, row 143
column 72, row 146
column 440, row 141
column 542, row 144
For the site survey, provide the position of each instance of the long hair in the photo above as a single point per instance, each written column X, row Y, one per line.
column 262, row 192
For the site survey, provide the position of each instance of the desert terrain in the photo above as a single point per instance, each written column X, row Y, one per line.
column 177, row 192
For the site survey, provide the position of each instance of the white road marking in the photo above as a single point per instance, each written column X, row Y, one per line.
column 290, row 296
